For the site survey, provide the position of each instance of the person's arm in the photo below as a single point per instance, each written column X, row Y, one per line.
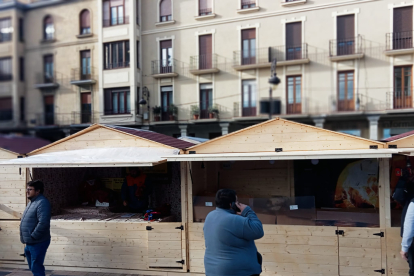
column 408, row 231
column 252, row 227
column 43, row 216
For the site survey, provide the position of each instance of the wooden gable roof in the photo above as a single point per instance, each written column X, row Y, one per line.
column 404, row 140
column 286, row 135
column 102, row 136
column 6, row 154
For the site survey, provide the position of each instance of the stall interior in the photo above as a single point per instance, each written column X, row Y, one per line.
column 114, row 193
column 301, row 192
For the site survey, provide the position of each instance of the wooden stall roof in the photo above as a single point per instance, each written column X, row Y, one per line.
column 7, row 154
column 404, row 140
column 103, row 136
column 286, row 135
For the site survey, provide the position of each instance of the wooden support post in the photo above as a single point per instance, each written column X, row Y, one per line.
column 190, row 194
column 384, row 193
column 184, row 214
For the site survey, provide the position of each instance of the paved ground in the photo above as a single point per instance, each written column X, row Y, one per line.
column 23, row 272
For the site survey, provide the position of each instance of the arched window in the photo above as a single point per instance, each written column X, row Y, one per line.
column 85, row 22
column 48, row 28
column 165, row 10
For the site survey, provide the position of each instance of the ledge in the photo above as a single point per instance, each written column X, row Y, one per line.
column 84, row 35
column 346, row 57
column 116, row 116
column 268, row 65
column 164, row 122
column 160, row 24
column 47, row 41
column 82, row 82
column 167, row 75
column 204, row 71
column 242, row 11
column 293, row 3
column 44, row 86
column 400, row 110
column 399, row 52
column 251, row 118
column 201, row 121
column 205, row 17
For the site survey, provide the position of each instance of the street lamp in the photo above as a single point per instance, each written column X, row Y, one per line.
column 274, row 82
column 143, row 101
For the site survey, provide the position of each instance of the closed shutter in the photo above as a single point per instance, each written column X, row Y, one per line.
column 116, row 3
column 403, row 19
column 86, row 98
column 85, row 19
column 205, row 5
column 165, row 44
column 165, row 8
column 206, row 49
column 106, row 13
column 107, row 102
column 249, row 34
column 294, row 34
column 345, row 27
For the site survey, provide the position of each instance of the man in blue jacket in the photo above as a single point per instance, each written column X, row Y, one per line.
column 35, row 227
column 229, row 238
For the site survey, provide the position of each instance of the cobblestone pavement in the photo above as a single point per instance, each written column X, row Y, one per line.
column 24, row 272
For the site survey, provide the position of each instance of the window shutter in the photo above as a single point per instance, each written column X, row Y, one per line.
column 165, row 8
column 48, row 100
column 107, row 102
column 165, row 44
column 86, row 98
column 345, row 27
column 206, row 45
column 249, row 34
column 294, row 34
column 85, row 19
column 403, row 19
column 116, row 3
column 205, row 5
column 86, row 54
column 6, row 103
column 106, row 11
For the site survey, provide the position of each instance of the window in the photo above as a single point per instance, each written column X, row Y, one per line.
column 294, row 97
column 21, row 68
column 137, row 11
column 22, row 109
column 402, row 37
column 294, row 41
column 346, row 91
column 165, row 10
column 21, row 29
column 166, row 101
column 249, row 98
column 49, row 105
column 206, row 99
column 138, row 54
column 6, row 30
column 48, row 67
column 85, row 22
column 115, row 12
column 345, row 31
column 48, row 28
column 205, row 7
column 6, row 69
column 166, row 56
column 86, row 108
column 249, row 46
column 248, row 4
column 205, row 51
column 116, row 55
column 403, row 87
column 6, row 109
column 117, row 101
column 85, row 65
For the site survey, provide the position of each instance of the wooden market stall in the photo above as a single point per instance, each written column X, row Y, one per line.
column 321, row 196
column 89, row 238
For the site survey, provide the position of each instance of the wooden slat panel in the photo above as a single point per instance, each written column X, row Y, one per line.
column 395, row 265
column 10, row 245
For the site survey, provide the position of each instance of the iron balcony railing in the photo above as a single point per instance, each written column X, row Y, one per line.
column 115, row 21
column 117, row 65
column 400, row 40
column 165, row 66
column 85, row 117
column 48, row 77
column 83, row 73
column 346, row 46
column 202, row 12
column 203, row 62
column 266, row 55
column 400, row 99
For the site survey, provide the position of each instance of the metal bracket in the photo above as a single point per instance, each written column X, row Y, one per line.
column 381, row 234
column 373, row 147
column 181, row 227
column 340, row 232
column 192, row 152
column 382, row 271
column 278, row 149
column 149, row 228
column 180, row 262
column 392, row 146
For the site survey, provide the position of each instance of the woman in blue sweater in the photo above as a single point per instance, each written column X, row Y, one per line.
column 229, row 238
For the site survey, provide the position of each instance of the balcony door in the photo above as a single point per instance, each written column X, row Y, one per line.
column 85, row 65
column 166, row 56
column 49, row 105
column 249, row 98
column 403, row 87
column 294, row 41
column 206, row 100
column 166, row 101
column 48, row 69
column 248, row 46
column 402, row 37
column 86, row 108
column 206, row 49
column 294, row 95
column 346, row 99
column 345, row 32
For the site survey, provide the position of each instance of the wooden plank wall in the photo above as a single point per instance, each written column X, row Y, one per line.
column 286, row 250
column 10, row 245
column 395, row 265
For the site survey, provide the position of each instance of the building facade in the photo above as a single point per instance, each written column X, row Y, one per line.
column 201, row 67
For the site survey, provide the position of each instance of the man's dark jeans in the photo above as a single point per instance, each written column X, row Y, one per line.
column 35, row 255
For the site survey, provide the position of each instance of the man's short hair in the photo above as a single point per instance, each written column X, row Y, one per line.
column 37, row 185
column 224, row 198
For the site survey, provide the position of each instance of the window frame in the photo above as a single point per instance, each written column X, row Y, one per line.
column 125, row 19
column 168, row 17
column 6, row 77
column 107, row 61
column 250, row 5
column 9, row 36
column 21, row 29
column 170, row 100
column 410, row 86
column 250, row 110
column 81, row 27
column 295, row 103
column 21, row 68
column 48, row 79
column 206, row 12
column 6, row 114
column 206, row 97
column 127, row 99
column 346, row 99
column 46, row 36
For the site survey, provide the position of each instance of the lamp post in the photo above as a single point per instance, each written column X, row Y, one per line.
column 274, row 82
column 143, row 101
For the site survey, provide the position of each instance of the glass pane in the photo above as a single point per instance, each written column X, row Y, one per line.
column 115, row 103
column 164, row 102
column 290, row 91
column 203, row 100
column 252, row 47
column 114, row 56
column 170, row 53
column 341, row 92
column 246, row 95
column 253, row 94
column 122, row 102
column 210, row 98
column 121, row 15
column 245, row 48
column 126, row 53
column 107, row 61
column 407, row 85
column 164, row 57
column 128, row 102
column 84, row 66
column 350, row 92
column 298, row 90
column 120, row 54
column 113, row 16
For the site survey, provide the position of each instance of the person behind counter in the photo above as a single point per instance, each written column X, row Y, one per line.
column 135, row 191
column 229, row 238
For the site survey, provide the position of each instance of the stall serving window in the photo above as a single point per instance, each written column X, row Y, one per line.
column 304, row 192
column 136, row 194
